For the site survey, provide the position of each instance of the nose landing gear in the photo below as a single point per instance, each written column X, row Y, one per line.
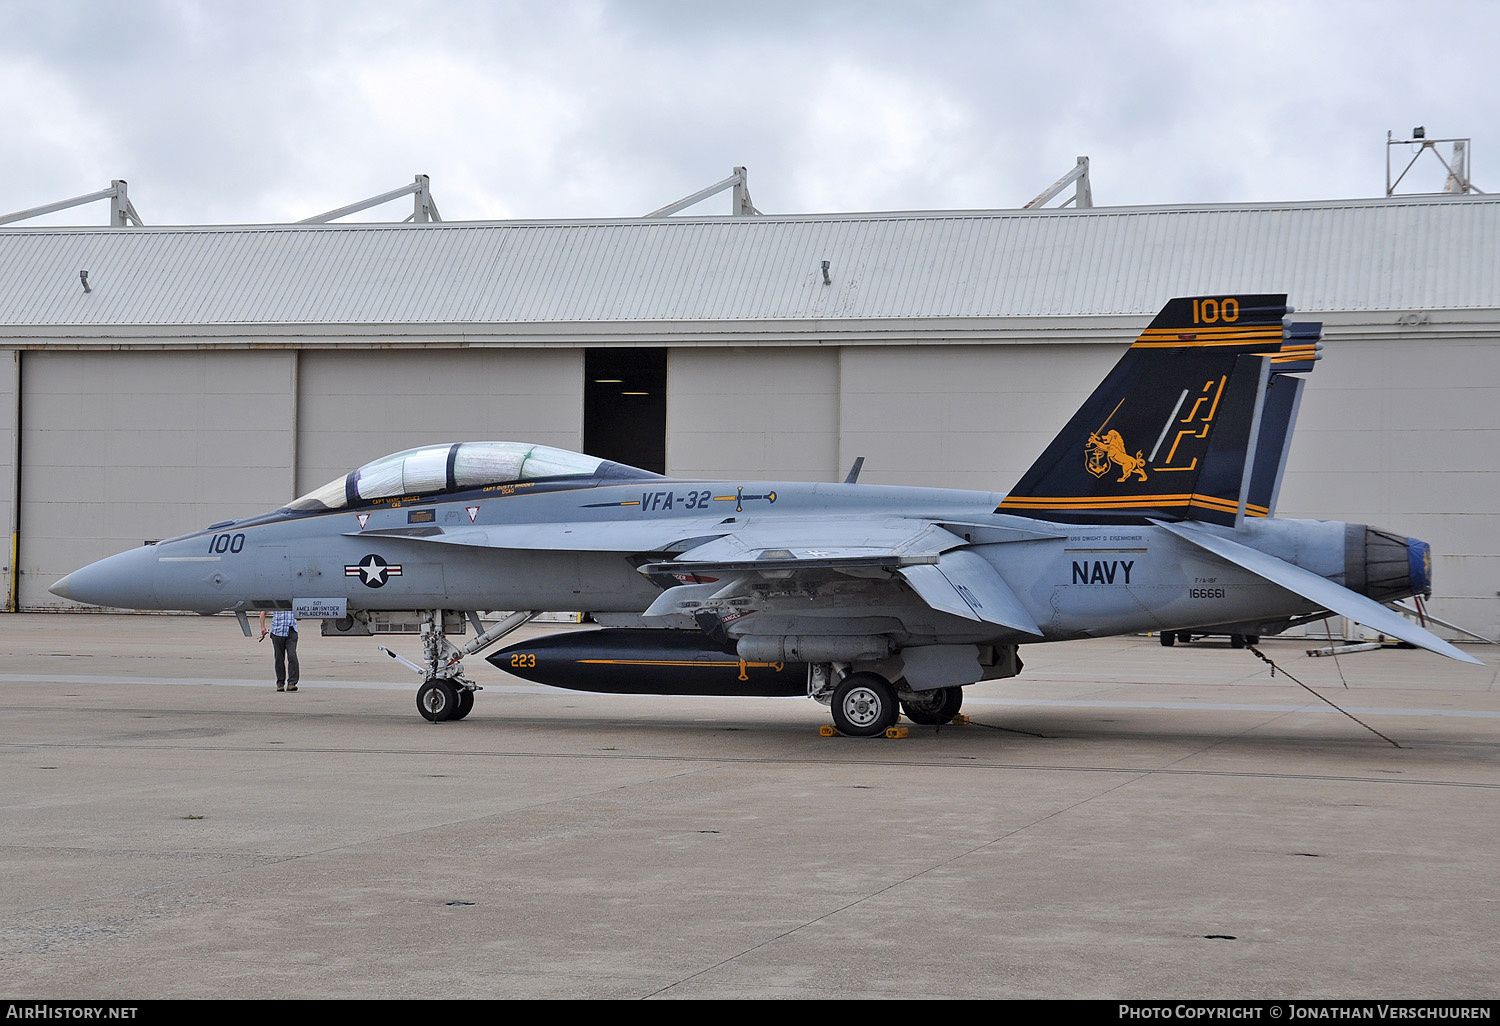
column 445, row 698
column 446, row 694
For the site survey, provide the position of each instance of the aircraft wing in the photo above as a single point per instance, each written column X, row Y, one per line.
column 934, row 561
column 1320, row 590
column 806, row 543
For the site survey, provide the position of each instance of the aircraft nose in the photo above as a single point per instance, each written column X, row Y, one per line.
column 124, row 581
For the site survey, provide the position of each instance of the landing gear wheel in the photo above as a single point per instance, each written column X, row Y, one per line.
column 437, row 700
column 1168, row 638
column 465, row 703
column 1186, row 637
column 864, row 705
column 1236, row 641
column 933, row 708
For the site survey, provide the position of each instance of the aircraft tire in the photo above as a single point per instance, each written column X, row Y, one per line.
column 437, row 700
column 864, row 705
column 465, row 703
column 933, row 708
column 1168, row 638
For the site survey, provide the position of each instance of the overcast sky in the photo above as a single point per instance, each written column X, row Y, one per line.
column 231, row 111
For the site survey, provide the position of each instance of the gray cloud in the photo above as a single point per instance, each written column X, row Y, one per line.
column 258, row 111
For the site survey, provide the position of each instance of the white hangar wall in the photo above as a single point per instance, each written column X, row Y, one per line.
column 963, row 416
column 211, row 374
column 356, row 406
column 946, row 416
column 759, row 413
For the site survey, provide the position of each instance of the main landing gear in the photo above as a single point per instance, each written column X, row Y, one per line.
column 866, row 705
column 933, row 708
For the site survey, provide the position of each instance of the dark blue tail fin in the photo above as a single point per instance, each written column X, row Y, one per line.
column 1193, row 423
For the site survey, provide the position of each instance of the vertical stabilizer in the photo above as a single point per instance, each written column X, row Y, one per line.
column 1193, row 423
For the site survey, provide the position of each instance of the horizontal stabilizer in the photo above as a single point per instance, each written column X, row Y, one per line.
column 1319, row 590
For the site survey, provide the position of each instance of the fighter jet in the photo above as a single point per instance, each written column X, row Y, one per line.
column 1152, row 511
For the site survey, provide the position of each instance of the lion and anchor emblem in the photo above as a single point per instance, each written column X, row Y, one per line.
column 1103, row 450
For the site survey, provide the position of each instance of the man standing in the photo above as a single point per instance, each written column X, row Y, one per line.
column 283, row 631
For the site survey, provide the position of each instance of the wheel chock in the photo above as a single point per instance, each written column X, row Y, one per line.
column 894, row 733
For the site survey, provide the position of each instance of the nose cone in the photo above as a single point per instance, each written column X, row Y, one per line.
column 123, row 581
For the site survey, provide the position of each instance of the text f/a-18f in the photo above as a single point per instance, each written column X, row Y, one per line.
column 1151, row 511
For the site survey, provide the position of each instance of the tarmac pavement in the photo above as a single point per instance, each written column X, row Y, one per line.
column 1122, row 821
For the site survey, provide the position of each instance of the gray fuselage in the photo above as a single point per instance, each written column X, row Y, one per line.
column 577, row 549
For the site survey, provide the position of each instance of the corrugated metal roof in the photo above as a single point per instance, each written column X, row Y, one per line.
column 1408, row 253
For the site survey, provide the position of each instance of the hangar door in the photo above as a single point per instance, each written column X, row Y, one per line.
column 121, row 447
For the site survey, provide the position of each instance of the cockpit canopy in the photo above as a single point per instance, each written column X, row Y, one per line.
column 457, row 467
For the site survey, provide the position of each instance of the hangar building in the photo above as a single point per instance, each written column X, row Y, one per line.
column 209, row 372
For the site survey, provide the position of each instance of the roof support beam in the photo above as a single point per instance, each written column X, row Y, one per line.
column 742, row 207
column 1082, row 197
column 424, row 207
column 121, row 210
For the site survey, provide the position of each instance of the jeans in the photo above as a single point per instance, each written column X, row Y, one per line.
column 286, row 658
